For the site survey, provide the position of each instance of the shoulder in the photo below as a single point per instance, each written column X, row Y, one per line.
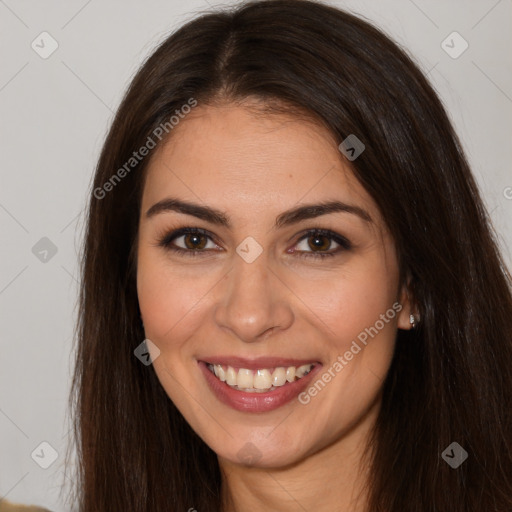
column 6, row 506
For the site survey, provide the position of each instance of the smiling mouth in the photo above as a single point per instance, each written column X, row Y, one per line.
column 260, row 380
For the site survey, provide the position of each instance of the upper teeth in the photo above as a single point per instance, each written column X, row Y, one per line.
column 259, row 380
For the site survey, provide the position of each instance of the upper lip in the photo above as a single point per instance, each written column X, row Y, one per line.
column 257, row 363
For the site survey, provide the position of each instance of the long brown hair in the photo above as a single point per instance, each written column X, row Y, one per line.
column 450, row 379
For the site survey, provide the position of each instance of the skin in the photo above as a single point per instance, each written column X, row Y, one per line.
column 254, row 167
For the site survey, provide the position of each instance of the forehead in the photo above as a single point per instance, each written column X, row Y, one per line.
column 239, row 160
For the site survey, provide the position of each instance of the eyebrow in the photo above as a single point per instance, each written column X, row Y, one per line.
column 287, row 218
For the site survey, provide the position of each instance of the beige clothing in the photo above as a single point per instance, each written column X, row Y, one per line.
column 6, row 506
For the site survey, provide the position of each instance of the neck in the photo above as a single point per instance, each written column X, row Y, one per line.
column 332, row 478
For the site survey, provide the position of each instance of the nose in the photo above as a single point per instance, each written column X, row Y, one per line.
column 254, row 302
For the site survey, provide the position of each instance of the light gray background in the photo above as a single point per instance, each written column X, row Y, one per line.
column 54, row 115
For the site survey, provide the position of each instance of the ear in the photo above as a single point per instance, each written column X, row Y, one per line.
column 408, row 308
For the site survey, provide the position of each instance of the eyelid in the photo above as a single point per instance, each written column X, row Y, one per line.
column 165, row 240
column 167, row 237
column 336, row 237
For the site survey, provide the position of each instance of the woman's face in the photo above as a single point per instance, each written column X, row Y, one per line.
column 264, row 287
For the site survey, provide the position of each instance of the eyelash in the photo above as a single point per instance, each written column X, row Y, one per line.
column 166, row 242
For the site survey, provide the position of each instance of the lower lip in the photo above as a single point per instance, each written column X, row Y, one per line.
column 256, row 402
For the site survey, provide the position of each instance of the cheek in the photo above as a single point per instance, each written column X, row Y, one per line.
column 170, row 299
column 359, row 312
column 350, row 302
column 356, row 313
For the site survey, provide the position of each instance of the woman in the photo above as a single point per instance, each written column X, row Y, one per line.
column 283, row 212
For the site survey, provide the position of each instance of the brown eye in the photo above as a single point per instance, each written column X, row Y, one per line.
column 194, row 241
column 320, row 242
column 191, row 241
